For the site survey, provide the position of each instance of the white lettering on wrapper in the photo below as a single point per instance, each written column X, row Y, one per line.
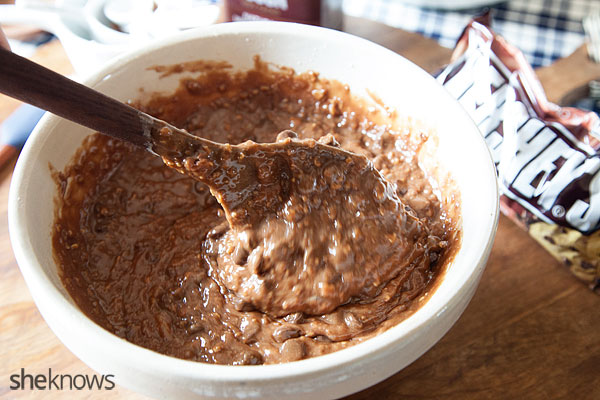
column 536, row 160
column 530, row 140
column 488, row 116
column 544, row 164
column 575, row 165
column 585, row 216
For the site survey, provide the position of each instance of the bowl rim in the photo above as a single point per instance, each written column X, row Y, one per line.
column 373, row 348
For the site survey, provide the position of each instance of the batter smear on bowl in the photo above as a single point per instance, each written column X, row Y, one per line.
column 336, row 255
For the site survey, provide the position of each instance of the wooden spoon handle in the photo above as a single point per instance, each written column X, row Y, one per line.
column 41, row 87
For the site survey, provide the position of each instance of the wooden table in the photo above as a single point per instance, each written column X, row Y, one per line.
column 531, row 331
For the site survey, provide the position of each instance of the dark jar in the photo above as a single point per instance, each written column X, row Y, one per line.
column 327, row 13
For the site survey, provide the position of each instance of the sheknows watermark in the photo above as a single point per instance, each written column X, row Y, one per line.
column 24, row 381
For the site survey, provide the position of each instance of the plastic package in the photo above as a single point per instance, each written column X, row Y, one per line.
column 546, row 156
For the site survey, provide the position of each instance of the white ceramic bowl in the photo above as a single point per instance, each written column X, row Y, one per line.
column 357, row 62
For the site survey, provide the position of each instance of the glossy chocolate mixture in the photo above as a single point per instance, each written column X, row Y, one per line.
column 336, row 256
column 312, row 226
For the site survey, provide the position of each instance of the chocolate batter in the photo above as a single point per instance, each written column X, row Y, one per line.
column 331, row 256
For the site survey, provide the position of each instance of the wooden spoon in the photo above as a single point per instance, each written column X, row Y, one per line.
column 312, row 226
column 245, row 192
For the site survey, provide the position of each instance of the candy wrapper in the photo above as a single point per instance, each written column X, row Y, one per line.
column 546, row 156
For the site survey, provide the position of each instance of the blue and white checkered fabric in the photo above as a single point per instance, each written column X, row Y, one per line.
column 544, row 30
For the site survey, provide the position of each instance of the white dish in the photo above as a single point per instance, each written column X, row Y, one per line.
column 85, row 53
column 85, row 32
column 357, row 62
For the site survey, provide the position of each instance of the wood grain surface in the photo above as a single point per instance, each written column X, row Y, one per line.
column 531, row 331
